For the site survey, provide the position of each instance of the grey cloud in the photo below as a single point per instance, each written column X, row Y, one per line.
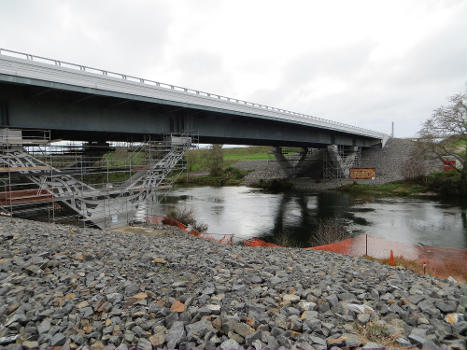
column 115, row 35
column 342, row 62
column 440, row 57
column 203, row 71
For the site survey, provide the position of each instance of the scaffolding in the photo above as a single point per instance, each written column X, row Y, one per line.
column 338, row 160
column 103, row 184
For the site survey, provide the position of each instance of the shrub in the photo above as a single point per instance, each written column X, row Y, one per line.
column 185, row 216
column 447, row 183
column 329, row 231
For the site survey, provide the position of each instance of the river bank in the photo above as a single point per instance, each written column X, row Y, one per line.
column 157, row 287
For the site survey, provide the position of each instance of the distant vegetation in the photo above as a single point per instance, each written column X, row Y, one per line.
column 442, row 137
column 199, row 159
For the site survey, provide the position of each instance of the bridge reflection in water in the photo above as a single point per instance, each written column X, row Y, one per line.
column 293, row 219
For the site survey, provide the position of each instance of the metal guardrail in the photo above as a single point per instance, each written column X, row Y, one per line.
column 286, row 114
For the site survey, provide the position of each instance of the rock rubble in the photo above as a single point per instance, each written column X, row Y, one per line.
column 72, row 288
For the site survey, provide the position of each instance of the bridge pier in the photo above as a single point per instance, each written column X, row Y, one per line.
column 331, row 162
column 338, row 161
column 290, row 169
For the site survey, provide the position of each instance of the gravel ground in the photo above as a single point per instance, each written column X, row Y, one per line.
column 157, row 287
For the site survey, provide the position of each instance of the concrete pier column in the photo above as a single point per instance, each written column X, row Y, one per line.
column 342, row 162
column 292, row 169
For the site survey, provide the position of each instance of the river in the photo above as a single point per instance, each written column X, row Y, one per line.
column 294, row 218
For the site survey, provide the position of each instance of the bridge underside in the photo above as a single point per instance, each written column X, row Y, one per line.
column 75, row 113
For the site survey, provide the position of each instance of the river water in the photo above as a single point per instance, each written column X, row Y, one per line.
column 297, row 219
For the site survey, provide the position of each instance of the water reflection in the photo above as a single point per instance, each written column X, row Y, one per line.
column 293, row 218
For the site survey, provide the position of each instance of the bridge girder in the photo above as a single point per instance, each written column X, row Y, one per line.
column 75, row 113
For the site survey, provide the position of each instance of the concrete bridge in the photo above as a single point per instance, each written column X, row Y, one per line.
column 73, row 102
column 77, row 102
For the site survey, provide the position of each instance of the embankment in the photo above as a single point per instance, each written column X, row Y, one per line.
column 157, row 287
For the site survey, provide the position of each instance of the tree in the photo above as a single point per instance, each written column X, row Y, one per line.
column 445, row 133
column 216, row 160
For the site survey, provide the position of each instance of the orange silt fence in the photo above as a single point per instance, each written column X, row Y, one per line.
column 441, row 262
column 256, row 242
column 226, row 239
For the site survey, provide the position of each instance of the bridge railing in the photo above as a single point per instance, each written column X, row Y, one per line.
column 285, row 114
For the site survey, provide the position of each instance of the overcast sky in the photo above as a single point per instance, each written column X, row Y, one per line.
column 360, row 62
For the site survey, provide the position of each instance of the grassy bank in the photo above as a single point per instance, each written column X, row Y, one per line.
column 442, row 183
column 399, row 188
column 198, row 159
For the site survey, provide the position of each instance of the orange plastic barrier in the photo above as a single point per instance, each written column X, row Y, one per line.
column 226, row 239
column 256, row 242
column 441, row 262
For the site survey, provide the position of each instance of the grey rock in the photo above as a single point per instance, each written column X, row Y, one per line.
column 415, row 299
column 403, row 341
column 199, row 329
column 306, row 306
column 418, row 335
column 17, row 317
column 114, row 298
column 259, row 345
column 346, row 296
column 44, row 326
column 87, row 311
column 429, row 345
column 363, row 318
column 250, row 338
column 446, row 307
column 175, row 334
column 318, row 340
column 332, row 299
column 291, row 298
column 129, row 336
column 30, row 345
column 243, row 329
column 143, row 344
column 58, row 339
column 122, row 346
column 77, row 339
column 373, row 346
column 8, row 340
column 209, row 290
column 352, row 340
column 460, row 328
column 231, row 344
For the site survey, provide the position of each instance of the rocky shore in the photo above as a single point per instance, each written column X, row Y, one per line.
column 156, row 287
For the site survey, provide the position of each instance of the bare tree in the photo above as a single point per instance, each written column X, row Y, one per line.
column 447, row 125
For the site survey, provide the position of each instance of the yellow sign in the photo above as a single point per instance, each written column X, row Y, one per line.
column 362, row 173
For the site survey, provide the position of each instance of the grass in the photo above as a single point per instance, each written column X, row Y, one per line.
column 396, row 189
column 375, row 332
column 197, row 160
